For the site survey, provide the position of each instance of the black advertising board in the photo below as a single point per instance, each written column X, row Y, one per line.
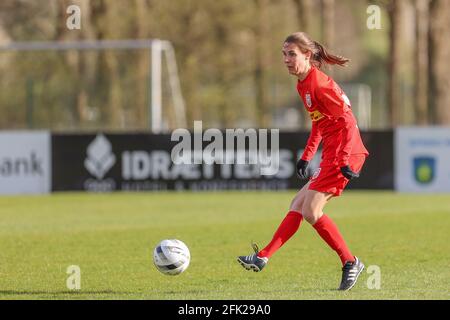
column 143, row 162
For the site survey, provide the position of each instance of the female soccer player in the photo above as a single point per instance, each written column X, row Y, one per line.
column 343, row 155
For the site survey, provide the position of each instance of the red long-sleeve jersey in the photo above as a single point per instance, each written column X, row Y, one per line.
column 333, row 121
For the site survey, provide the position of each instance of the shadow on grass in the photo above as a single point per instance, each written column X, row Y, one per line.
column 172, row 292
column 62, row 292
column 184, row 292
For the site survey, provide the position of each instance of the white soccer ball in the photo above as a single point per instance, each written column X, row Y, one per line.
column 171, row 257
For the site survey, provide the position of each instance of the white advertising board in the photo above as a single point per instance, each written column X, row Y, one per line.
column 422, row 159
column 25, row 162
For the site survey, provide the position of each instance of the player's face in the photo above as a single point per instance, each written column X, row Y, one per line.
column 295, row 60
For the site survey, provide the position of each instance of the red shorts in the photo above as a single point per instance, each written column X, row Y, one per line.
column 329, row 179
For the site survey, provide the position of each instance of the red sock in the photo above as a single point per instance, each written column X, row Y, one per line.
column 330, row 233
column 287, row 228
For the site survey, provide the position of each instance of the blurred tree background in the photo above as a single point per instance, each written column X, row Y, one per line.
column 229, row 61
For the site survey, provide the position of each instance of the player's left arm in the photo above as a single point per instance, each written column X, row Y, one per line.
column 335, row 105
column 349, row 133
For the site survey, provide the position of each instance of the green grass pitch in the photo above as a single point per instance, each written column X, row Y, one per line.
column 111, row 238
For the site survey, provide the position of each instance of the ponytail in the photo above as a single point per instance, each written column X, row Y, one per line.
column 323, row 56
column 319, row 54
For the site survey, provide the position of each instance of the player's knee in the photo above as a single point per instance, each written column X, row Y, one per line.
column 310, row 213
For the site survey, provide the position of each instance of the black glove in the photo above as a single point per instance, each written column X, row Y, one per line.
column 301, row 168
column 348, row 173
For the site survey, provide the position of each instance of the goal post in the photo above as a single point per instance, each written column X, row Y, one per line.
column 156, row 48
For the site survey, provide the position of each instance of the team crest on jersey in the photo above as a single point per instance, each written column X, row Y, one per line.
column 308, row 100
